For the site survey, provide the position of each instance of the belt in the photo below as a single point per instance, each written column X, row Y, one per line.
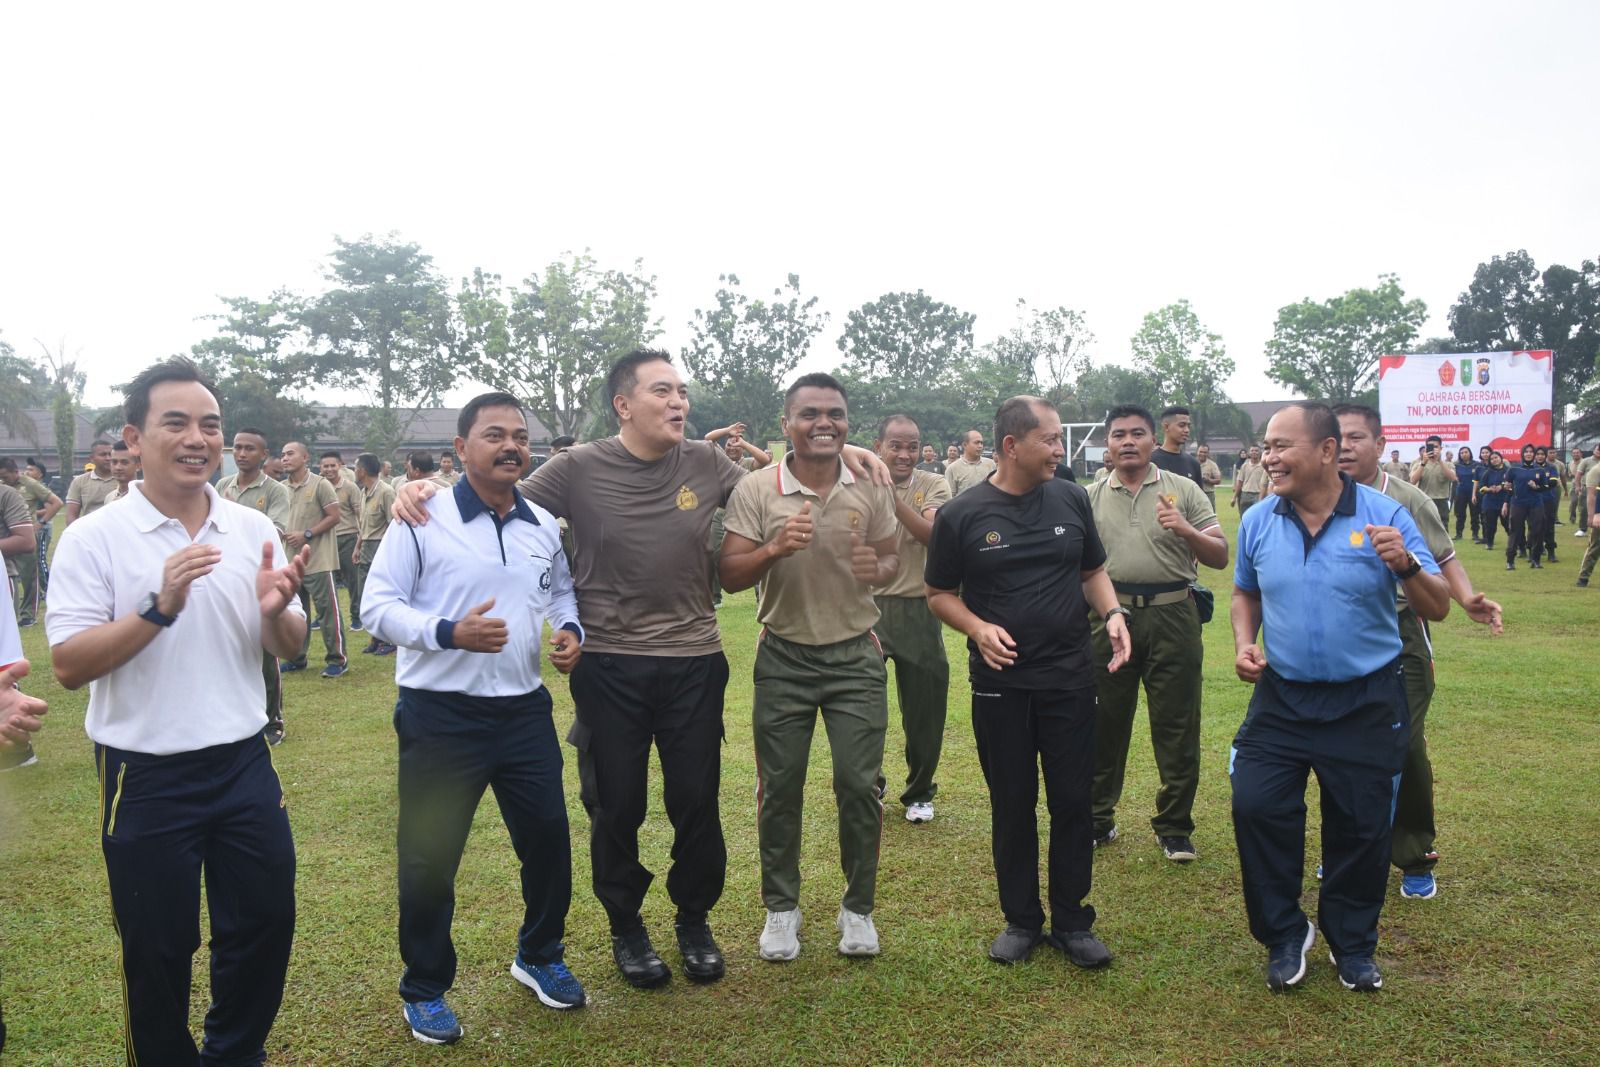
column 1129, row 600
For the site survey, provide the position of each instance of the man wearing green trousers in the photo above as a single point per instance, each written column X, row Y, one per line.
column 910, row 635
column 818, row 541
column 1155, row 526
column 1361, row 445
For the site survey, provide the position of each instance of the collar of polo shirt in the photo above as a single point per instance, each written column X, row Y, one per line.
column 1153, row 474
column 789, row 482
column 147, row 518
column 472, row 505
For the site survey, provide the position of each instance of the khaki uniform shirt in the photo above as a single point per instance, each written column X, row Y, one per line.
column 1252, row 478
column 376, row 504
column 350, row 500
column 1211, row 474
column 1435, row 483
column 35, row 492
column 1102, row 474
column 266, row 495
column 811, row 598
column 1139, row 550
column 90, row 491
column 963, row 475
column 1397, row 469
column 306, row 504
column 1424, row 514
column 14, row 514
column 923, row 490
column 1591, row 480
column 639, row 534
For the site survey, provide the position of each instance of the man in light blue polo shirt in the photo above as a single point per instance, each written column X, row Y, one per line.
column 1320, row 568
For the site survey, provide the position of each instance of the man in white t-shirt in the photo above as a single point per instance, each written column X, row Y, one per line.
column 163, row 606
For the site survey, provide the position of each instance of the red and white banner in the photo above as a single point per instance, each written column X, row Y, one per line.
column 1499, row 399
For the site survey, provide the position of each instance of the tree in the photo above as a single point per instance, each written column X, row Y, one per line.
column 65, row 385
column 744, row 349
column 258, row 358
column 23, row 386
column 1512, row 305
column 905, row 337
column 388, row 328
column 1051, row 346
column 553, row 343
column 1329, row 350
column 1185, row 362
column 965, row 398
column 1099, row 389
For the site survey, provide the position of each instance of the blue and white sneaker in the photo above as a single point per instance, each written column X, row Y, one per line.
column 551, row 982
column 432, row 1022
column 1419, row 886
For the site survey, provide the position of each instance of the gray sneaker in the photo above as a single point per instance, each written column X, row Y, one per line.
column 780, row 940
column 857, row 934
column 1014, row 945
column 1082, row 948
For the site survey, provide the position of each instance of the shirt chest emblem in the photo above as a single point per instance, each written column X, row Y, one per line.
column 919, row 497
column 855, row 520
column 1357, row 538
column 261, row 501
column 992, row 537
column 687, row 501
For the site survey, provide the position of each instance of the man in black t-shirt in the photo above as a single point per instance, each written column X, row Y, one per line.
column 1170, row 456
column 1015, row 563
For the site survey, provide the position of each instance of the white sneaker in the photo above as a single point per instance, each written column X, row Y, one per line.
column 857, row 935
column 1577, row 533
column 921, row 811
column 781, row 938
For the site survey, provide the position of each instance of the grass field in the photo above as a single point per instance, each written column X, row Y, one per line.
column 1501, row 968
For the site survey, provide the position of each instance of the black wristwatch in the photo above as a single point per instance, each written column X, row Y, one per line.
column 306, row 533
column 1118, row 610
column 149, row 613
column 1413, row 568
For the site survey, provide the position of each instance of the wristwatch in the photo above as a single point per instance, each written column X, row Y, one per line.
column 306, row 533
column 1413, row 568
column 149, row 613
column 1118, row 610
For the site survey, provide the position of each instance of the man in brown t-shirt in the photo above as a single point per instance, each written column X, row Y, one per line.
column 345, row 535
column 819, row 540
column 89, row 490
column 313, row 513
column 639, row 506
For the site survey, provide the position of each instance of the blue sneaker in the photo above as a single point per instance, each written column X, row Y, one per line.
column 1286, row 964
column 334, row 670
column 432, row 1022
column 551, row 982
column 1358, row 973
column 1419, row 886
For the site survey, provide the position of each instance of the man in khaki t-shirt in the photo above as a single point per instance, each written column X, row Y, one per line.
column 1436, row 477
column 971, row 468
column 254, row 489
column 89, row 491
column 818, row 541
column 1156, row 527
column 42, row 505
column 345, row 536
column 1210, row 474
column 313, row 513
column 372, row 520
column 1591, row 497
column 909, row 633
column 1249, row 481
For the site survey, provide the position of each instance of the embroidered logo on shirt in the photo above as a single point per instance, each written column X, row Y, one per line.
column 261, row 501
column 1357, row 538
column 993, row 537
column 855, row 519
column 1060, row 530
column 544, row 581
column 687, row 501
column 919, row 497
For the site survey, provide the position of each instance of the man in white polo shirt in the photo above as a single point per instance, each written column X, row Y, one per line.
column 473, row 712
column 162, row 607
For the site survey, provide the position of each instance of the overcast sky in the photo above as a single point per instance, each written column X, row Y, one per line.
column 1112, row 158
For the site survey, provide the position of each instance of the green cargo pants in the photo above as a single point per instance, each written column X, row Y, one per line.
column 1412, row 847
column 911, row 636
column 847, row 681
column 317, row 589
column 1591, row 556
column 26, row 587
column 1167, row 655
column 349, row 574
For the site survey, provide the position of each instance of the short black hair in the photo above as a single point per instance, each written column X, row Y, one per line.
column 136, row 394
column 369, row 463
column 105, row 442
column 624, row 373
column 259, row 433
column 883, row 425
column 566, row 440
column 119, row 446
column 332, row 455
column 816, row 380
column 421, row 461
column 1369, row 415
column 1133, row 411
column 1017, row 416
column 1320, row 420
column 7, row 463
column 1172, row 411
column 469, row 414
column 1432, row 437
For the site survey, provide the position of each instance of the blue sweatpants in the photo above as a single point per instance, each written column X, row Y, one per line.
column 165, row 820
column 1354, row 735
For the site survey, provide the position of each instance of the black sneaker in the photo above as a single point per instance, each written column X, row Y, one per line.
column 1082, row 948
column 1179, row 849
column 15, row 758
column 1102, row 840
column 637, row 960
column 285, row 668
column 1583, row 583
column 702, row 957
column 1286, row 964
column 1510, row 566
column 1014, row 945
column 1358, row 973
column 1550, row 558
